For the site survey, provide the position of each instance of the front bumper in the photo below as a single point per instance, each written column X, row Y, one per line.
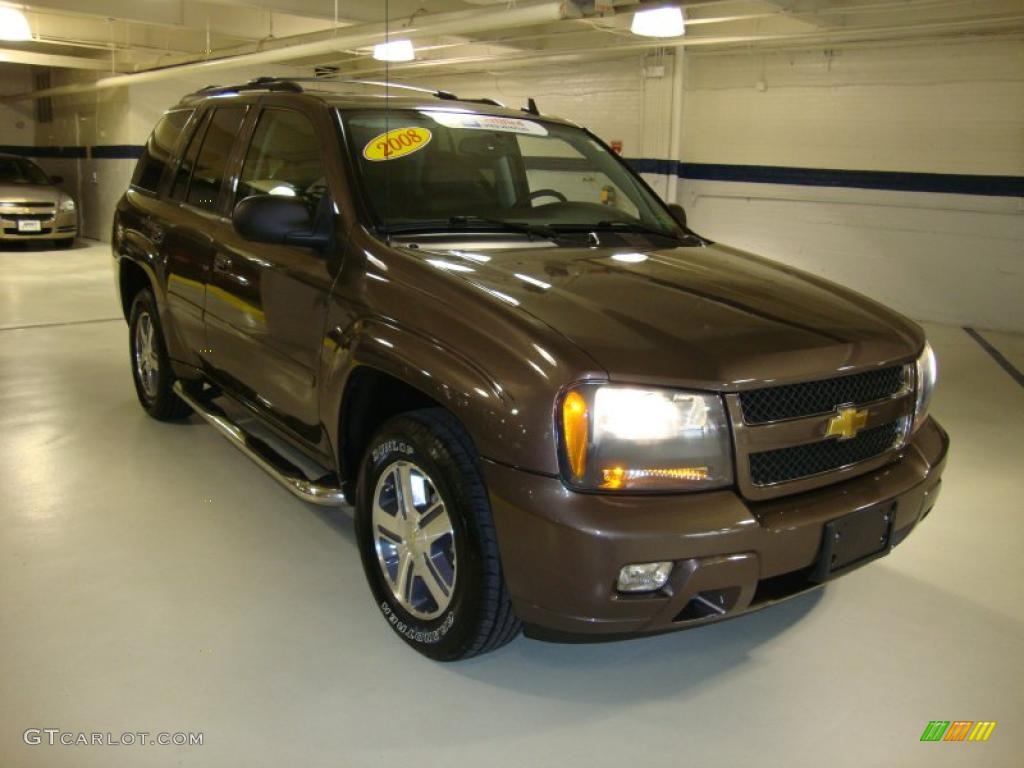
column 62, row 225
column 561, row 550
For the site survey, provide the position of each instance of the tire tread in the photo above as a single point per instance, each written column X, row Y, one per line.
column 499, row 624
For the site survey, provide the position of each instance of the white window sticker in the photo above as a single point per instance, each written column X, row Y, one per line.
column 471, row 121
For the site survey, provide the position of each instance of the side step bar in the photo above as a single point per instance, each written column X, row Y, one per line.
column 273, row 464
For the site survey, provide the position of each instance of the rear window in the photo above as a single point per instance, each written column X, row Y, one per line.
column 157, row 153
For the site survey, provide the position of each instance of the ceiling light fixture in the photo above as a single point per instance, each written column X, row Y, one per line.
column 13, row 25
column 394, row 50
column 659, row 22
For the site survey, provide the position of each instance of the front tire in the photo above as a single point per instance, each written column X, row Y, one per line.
column 427, row 539
column 151, row 367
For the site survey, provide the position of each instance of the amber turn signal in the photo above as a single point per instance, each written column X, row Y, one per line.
column 616, row 477
column 575, row 431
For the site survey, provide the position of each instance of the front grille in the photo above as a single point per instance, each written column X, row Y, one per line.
column 16, row 231
column 26, row 216
column 784, row 464
column 25, row 204
column 810, row 398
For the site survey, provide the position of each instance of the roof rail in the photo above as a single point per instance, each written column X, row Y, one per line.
column 437, row 93
column 259, row 84
column 294, row 85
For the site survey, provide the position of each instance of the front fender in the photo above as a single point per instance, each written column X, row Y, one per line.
column 500, row 426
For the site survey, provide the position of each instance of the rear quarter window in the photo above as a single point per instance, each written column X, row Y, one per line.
column 158, row 150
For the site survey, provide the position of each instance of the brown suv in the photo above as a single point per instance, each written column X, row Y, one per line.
column 551, row 404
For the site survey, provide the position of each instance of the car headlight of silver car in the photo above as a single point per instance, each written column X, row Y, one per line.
column 926, row 374
column 67, row 204
column 621, row 438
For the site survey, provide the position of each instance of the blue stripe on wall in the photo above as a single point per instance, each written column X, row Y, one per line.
column 901, row 181
column 48, row 152
column 955, row 183
column 116, row 152
column 99, row 152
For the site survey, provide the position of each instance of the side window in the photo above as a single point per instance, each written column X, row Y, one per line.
column 212, row 161
column 188, row 162
column 153, row 162
column 284, row 158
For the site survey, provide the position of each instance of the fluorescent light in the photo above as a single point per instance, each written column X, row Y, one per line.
column 13, row 25
column 394, row 50
column 659, row 22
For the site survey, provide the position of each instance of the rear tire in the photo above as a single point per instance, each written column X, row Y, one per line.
column 435, row 572
column 151, row 368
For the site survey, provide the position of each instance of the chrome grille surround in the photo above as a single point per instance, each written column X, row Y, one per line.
column 793, row 455
column 808, row 398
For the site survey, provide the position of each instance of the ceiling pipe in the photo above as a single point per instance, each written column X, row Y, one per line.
column 18, row 56
column 455, row 23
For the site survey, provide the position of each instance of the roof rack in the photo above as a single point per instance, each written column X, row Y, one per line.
column 295, row 85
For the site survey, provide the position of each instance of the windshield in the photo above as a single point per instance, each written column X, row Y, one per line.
column 440, row 169
column 18, row 170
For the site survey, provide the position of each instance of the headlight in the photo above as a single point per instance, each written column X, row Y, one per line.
column 67, row 204
column 925, row 375
column 616, row 438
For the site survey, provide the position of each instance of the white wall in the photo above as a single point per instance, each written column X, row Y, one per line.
column 952, row 109
column 17, row 121
column 88, row 120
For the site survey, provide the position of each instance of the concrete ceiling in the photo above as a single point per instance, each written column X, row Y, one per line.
column 127, row 36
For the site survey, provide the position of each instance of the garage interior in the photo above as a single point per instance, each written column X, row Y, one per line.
column 153, row 578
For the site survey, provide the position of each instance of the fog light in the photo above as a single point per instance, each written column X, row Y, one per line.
column 643, row 577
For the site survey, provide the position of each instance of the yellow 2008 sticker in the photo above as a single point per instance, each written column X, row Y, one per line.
column 396, row 143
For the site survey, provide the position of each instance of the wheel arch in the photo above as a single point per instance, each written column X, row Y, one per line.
column 132, row 277
column 382, row 370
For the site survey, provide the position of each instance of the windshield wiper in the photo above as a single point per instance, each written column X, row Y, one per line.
column 530, row 230
column 470, row 223
column 633, row 226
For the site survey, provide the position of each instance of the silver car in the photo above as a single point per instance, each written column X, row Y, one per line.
column 31, row 207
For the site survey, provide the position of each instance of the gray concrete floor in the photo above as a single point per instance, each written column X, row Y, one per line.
column 153, row 579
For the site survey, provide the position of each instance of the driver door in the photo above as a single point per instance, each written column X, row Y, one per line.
column 266, row 304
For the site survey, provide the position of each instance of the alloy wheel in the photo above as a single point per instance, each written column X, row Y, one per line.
column 414, row 540
column 147, row 363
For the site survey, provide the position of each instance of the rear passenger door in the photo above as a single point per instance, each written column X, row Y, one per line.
column 189, row 236
column 266, row 304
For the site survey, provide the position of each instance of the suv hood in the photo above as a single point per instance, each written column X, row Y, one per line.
column 708, row 317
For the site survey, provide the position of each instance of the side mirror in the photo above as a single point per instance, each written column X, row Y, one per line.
column 278, row 220
column 678, row 214
column 56, row 179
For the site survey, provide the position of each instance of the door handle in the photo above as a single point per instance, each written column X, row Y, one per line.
column 221, row 263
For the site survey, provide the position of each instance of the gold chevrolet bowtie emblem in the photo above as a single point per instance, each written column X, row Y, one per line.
column 846, row 423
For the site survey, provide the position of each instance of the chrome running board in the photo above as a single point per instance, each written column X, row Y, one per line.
column 269, row 460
